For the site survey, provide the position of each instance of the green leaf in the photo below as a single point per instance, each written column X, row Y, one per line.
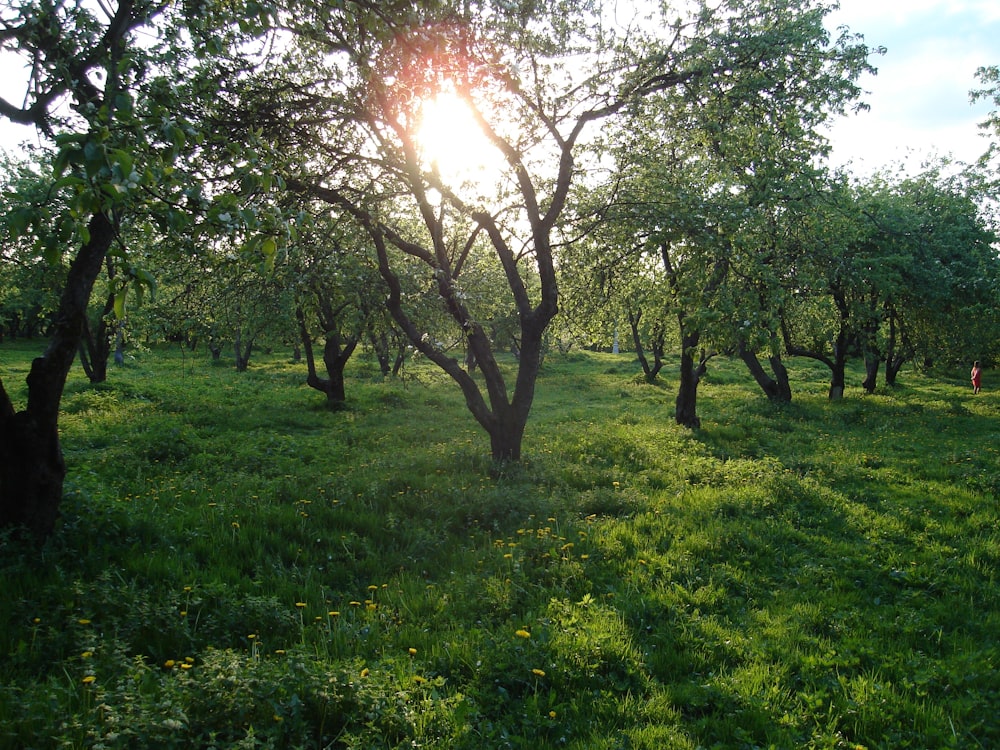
column 120, row 303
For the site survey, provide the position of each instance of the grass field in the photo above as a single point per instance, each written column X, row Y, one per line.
column 237, row 566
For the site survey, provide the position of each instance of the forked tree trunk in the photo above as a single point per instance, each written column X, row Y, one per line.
column 894, row 358
column 95, row 347
column 686, row 407
column 776, row 388
column 649, row 371
column 32, row 467
column 336, row 353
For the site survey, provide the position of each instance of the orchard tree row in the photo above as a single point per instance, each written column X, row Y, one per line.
column 251, row 170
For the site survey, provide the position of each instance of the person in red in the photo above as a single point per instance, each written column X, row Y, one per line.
column 977, row 376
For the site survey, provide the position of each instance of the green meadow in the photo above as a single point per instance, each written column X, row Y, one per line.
column 237, row 566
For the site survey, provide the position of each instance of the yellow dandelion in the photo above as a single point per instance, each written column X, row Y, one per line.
column 37, row 620
column 189, row 659
column 584, row 557
column 278, row 718
column 411, row 651
column 641, row 561
column 508, row 556
column 280, row 651
column 334, row 613
column 86, row 654
column 522, row 633
column 538, row 672
column 300, row 605
column 89, row 679
column 83, row 621
column 184, row 613
column 552, row 714
column 185, row 665
column 355, row 604
column 365, row 672
column 373, row 588
column 169, row 663
column 417, row 679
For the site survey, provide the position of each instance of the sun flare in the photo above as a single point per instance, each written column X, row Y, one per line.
column 451, row 141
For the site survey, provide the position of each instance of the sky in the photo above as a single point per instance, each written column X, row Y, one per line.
column 919, row 101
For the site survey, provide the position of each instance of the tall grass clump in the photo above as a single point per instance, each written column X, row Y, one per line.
column 238, row 566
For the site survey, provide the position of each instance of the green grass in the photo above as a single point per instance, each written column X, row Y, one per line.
column 237, row 566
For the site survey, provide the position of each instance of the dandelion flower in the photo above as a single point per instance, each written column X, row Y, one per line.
column 538, row 672
column 169, row 663
column 412, row 651
column 552, row 714
column 365, row 672
column 334, row 613
column 522, row 633
column 417, row 679
column 86, row 654
column 83, row 621
column 186, row 665
column 89, row 679
column 300, row 605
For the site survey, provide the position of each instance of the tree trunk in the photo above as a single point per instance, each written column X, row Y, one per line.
column 119, row 343
column 686, row 408
column 650, row 372
column 242, row 353
column 872, row 363
column 895, row 358
column 777, row 388
column 336, row 353
column 32, row 467
column 837, row 380
column 95, row 348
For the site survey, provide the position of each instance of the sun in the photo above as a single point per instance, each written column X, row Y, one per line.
column 451, row 141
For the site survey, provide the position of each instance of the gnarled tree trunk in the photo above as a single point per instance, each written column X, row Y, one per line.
column 32, row 467
column 776, row 388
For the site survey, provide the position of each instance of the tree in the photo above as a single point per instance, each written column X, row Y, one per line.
column 702, row 169
column 533, row 79
column 29, row 283
column 336, row 289
column 104, row 97
column 891, row 269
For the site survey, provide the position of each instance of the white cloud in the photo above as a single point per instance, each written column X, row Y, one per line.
column 920, row 98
